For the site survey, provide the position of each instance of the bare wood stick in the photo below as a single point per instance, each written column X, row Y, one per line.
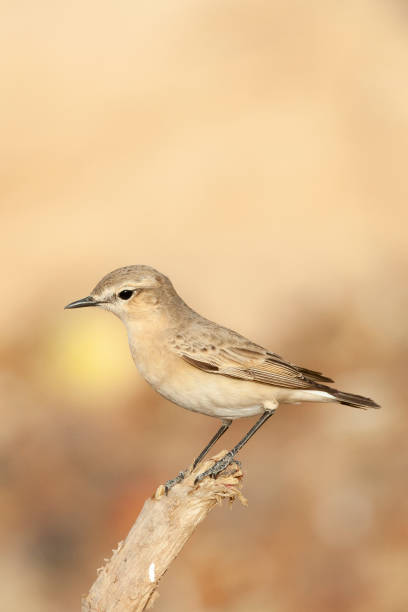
column 129, row 580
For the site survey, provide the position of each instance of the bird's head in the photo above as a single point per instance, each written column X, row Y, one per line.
column 129, row 291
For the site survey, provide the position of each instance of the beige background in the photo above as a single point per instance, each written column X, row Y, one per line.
column 256, row 153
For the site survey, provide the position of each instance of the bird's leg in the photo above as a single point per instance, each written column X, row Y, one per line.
column 181, row 475
column 229, row 458
column 225, row 425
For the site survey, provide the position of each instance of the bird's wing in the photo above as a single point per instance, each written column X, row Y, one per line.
column 232, row 355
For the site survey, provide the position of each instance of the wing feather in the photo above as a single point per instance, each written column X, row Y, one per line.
column 246, row 361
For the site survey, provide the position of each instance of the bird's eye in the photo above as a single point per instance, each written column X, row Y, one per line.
column 126, row 294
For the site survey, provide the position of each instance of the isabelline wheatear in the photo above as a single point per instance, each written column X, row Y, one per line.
column 200, row 365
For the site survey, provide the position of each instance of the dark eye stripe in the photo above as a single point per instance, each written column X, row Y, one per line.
column 126, row 294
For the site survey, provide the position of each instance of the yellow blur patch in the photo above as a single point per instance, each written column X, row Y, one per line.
column 87, row 355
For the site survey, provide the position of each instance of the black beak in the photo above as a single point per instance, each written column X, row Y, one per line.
column 88, row 301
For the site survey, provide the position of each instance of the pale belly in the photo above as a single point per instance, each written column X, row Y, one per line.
column 215, row 398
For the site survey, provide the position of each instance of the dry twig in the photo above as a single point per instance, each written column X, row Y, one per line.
column 129, row 580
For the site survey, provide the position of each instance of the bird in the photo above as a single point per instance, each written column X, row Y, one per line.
column 202, row 366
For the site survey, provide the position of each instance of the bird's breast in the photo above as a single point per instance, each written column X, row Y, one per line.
column 153, row 363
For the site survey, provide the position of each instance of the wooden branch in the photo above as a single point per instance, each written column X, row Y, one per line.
column 129, row 580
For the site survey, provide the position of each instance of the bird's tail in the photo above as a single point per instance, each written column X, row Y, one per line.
column 350, row 399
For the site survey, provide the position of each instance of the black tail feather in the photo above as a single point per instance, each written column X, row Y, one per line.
column 350, row 399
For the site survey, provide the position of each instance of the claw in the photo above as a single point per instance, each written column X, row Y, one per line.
column 170, row 483
column 219, row 466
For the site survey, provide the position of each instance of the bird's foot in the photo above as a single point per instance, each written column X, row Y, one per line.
column 218, row 467
column 170, row 483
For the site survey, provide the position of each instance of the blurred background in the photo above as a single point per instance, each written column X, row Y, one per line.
column 256, row 153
